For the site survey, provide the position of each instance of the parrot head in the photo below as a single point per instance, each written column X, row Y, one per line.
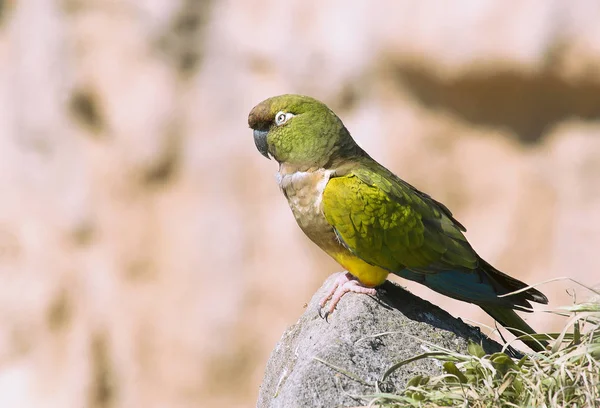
column 300, row 131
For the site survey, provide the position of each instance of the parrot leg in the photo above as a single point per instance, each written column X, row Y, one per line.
column 343, row 284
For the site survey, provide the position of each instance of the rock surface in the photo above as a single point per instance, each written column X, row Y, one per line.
column 336, row 362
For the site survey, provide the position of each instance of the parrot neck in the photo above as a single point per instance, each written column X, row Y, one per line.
column 339, row 163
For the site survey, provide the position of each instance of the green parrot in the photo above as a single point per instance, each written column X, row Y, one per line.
column 372, row 222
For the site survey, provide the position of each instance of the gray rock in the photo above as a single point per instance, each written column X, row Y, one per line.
column 337, row 362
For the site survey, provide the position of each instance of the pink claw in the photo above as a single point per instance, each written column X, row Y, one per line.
column 343, row 284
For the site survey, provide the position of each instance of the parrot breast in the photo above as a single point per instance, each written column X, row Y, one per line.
column 304, row 192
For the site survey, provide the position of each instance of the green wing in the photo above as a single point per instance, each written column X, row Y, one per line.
column 387, row 222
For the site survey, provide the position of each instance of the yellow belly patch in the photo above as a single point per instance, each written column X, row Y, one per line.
column 367, row 274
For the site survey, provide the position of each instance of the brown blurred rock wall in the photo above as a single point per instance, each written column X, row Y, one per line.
column 147, row 258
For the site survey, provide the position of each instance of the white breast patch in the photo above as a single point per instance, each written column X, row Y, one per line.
column 300, row 181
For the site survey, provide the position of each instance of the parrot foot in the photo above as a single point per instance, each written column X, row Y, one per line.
column 343, row 284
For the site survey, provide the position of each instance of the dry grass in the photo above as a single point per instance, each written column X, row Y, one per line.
column 565, row 375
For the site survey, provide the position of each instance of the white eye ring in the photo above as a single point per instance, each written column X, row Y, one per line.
column 282, row 117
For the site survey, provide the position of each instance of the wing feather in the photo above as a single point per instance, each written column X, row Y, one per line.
column 388, row 223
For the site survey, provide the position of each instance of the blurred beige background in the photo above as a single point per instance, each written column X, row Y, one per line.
column 147, row 258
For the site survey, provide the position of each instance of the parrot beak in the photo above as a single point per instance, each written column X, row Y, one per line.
column 260, row 140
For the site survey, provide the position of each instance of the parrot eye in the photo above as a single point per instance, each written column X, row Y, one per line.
column 282, row 117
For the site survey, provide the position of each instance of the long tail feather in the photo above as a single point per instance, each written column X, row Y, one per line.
column 504, row 284
column 516, row 325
